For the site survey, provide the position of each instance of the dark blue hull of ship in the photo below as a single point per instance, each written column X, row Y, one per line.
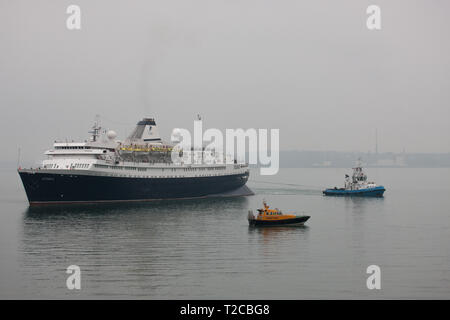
column 369, row 192
column 48, row 188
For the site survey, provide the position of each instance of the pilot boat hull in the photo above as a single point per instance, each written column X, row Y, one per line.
column 298, row 221
column 368, row 192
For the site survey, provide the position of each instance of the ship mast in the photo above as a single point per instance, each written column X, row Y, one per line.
column 95, row 129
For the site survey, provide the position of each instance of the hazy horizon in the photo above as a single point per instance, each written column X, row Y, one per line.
column 311, row 69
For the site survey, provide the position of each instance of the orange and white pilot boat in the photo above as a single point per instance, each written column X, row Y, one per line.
column 274, row 217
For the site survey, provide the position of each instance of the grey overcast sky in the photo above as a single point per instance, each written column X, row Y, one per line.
column 308, row 67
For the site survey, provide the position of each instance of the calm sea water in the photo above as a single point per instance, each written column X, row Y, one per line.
column 204, row 248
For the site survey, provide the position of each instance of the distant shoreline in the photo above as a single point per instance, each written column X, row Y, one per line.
column 333, row 159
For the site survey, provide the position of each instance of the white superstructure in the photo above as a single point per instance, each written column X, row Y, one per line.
column 358, row 180
column 142, row 155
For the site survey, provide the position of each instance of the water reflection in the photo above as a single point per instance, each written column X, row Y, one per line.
column 272, row 233
column 359, row 205
column 132, row 207
column 279, row 242
column 134, row 248
column 112, row 228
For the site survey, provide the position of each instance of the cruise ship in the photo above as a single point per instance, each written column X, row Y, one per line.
column 103, row 169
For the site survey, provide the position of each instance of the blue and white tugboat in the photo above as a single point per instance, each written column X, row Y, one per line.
column 358, row 186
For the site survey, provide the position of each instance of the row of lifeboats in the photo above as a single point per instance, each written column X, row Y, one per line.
column 145, row 149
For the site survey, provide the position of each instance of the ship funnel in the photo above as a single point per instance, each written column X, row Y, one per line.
column 145, row 132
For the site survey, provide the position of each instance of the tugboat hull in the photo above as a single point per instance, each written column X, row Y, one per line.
column 298, row 221
column 369, row 192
